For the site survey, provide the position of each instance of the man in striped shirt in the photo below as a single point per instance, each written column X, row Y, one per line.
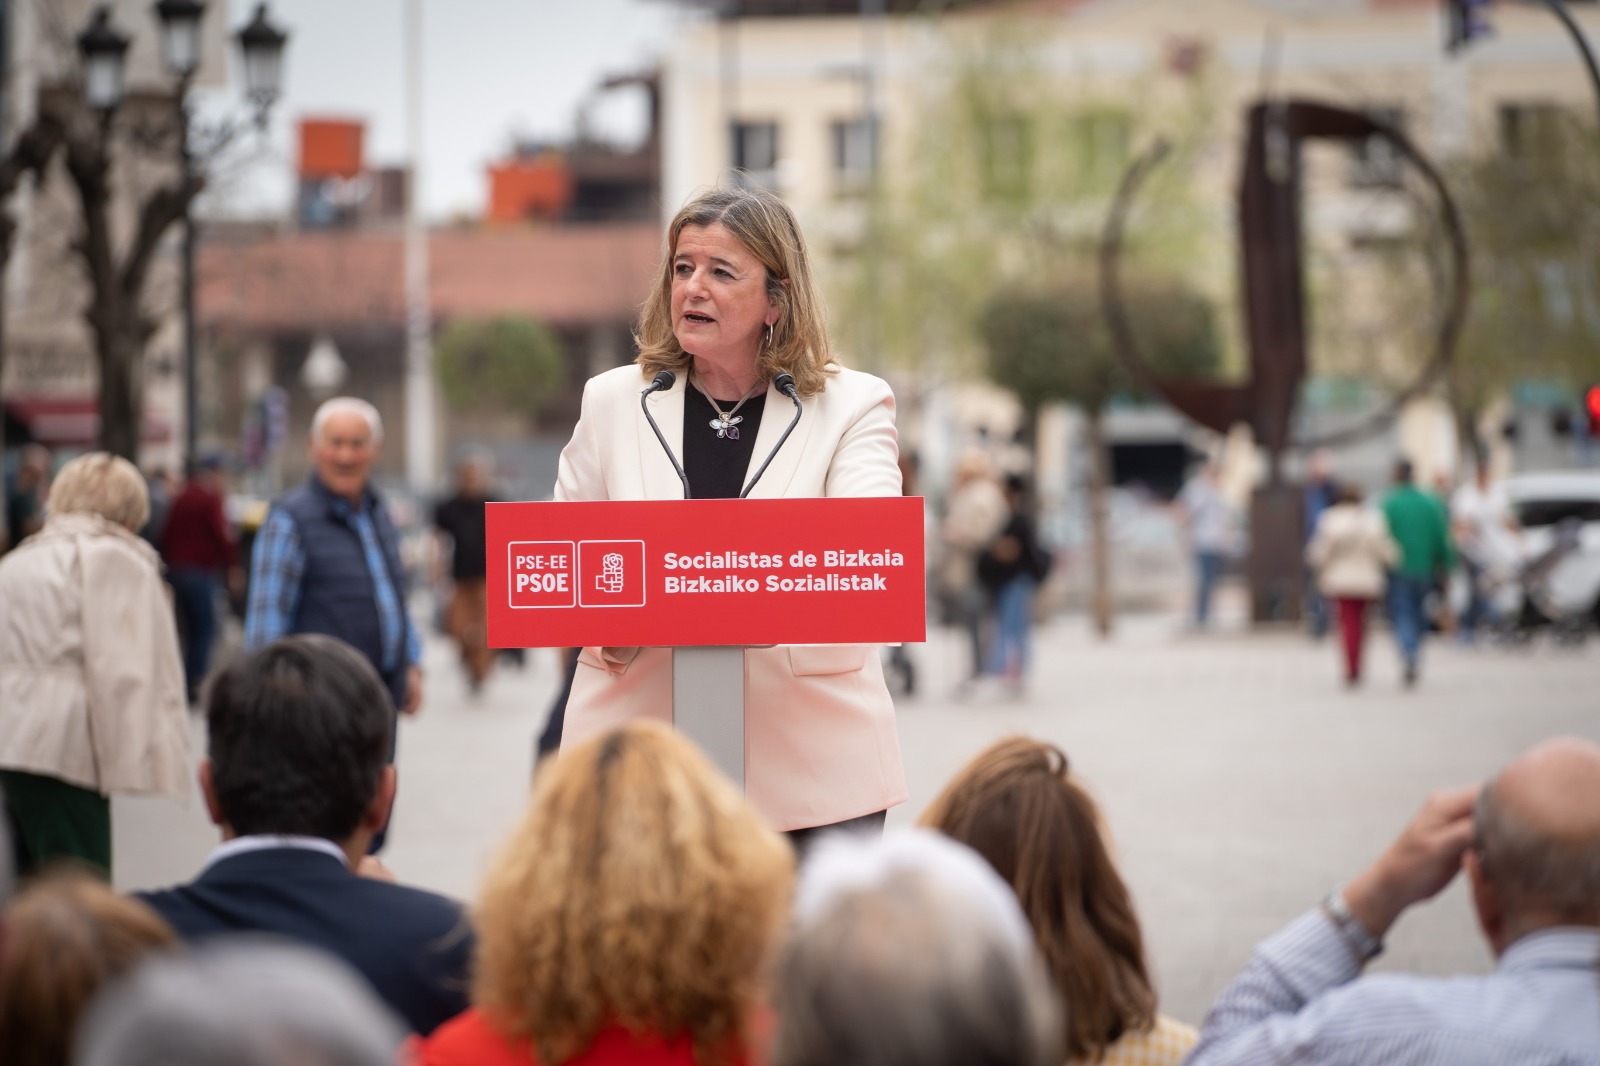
column 1529, row 842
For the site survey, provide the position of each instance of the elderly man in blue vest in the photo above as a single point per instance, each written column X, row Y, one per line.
column 327, row 559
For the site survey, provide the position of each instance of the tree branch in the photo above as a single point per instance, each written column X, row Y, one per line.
column 164, row 207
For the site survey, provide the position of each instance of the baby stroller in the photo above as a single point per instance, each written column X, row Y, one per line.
column 1530, row 600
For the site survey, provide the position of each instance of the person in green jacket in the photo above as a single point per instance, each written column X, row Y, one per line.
column 1420, row 526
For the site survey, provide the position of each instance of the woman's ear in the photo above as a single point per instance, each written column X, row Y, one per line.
column 777, row 301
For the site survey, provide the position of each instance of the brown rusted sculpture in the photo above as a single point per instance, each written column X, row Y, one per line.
column 1270, row 196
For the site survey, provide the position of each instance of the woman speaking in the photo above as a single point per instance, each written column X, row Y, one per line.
column 733, row 308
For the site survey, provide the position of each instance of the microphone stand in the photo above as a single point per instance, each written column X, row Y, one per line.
column 664, row 380
column 784, row 384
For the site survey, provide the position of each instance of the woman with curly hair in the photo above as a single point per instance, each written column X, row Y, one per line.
column 1018, row 807
column 631, row 919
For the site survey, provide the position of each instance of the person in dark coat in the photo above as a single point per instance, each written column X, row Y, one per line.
column 299, row 781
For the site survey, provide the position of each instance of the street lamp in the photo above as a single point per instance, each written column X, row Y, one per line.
column 262, row 44
column 180, row 35
column 102, row 52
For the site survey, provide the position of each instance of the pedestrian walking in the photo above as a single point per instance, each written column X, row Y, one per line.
column 201, row 553
column 1320, row 493
column 1213, row 533
column 974, row 515
column 1011, row 568
column 327, row 559
column 91, row 683
column 1487, row 534
column 25, row 496
column 1350, row 553
column 1417, row 523
column 460, row 521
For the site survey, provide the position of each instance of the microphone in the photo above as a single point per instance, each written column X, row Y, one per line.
column 784, row 383
column 665, row 380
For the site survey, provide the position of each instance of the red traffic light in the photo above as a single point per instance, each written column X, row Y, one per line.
column 1591, row 402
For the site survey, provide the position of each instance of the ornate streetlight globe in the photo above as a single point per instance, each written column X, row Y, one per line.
column 103, row 52
column 262, row 45
column 180, row 34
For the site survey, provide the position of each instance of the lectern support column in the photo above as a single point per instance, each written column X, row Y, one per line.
column 708, row 704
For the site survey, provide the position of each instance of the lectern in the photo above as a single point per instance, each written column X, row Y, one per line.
column 708, row 579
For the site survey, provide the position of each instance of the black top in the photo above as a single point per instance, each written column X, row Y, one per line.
column 718, row 466
column 462, row 518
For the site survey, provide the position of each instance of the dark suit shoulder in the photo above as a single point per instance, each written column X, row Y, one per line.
column 414, row 946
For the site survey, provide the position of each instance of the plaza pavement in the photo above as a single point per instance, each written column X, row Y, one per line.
column 1239, row 778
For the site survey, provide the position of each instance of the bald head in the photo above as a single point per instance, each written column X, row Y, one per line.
column 1539, row 832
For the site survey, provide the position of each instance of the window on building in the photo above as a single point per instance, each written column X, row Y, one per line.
column 1102, row 139
column 1007, row 157
column 755, row 153
column 1376, row 163
column 1531, row 130
column 855, row 150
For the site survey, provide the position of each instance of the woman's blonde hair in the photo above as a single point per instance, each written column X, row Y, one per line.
column 103, row 484
column 640, row 890
column 768, row 230
column 1016, row 805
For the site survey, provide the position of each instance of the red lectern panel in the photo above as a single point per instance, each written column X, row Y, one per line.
column 678, row 573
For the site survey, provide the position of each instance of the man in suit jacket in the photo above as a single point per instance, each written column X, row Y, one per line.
column 298, row 779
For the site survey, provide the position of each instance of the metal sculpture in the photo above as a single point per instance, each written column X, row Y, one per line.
column 1270, row 196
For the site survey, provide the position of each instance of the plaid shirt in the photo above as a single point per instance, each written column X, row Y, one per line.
column 1165, row 1044
column 277, row 566
column 1303, row 1000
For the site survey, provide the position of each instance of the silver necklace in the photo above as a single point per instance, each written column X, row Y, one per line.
column 727, row 422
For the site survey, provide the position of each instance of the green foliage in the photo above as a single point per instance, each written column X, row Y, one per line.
column 1010, row 173
column 1053, row 345
column 506, row 364
column 1532, row 217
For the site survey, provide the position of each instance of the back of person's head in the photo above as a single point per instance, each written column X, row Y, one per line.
column 64, row 939
column 102, row 484
column 909, row 951
column 298, row 738
column 241, row 1002
column 1404, row 472
column 1350, row 492
column 1016, row 805
column 641, row 889
column 1537, row 837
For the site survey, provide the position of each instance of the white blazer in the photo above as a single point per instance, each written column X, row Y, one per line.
column 820, row 740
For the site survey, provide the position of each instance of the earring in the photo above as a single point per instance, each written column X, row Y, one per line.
column 769, row 334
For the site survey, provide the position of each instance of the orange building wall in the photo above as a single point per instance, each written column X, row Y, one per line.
column 522, row 189
column 331, row 148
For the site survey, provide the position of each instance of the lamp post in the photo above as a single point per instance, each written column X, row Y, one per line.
column 103, row 52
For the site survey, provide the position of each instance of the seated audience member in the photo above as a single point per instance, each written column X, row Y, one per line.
column 1017, row 806
column 909, row 951
column 630, row 919
column 1530, row 844
column 246, row 1002
column 61, row 941
column 298, row 779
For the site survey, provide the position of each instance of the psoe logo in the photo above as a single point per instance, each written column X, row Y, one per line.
column 540, row 573
column 611, row 573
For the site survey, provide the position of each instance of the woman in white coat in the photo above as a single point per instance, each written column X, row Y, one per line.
column 92, row 698
column 1351, row 551
column 733, row 307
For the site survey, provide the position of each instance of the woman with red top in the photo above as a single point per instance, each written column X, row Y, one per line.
column 631, row 919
